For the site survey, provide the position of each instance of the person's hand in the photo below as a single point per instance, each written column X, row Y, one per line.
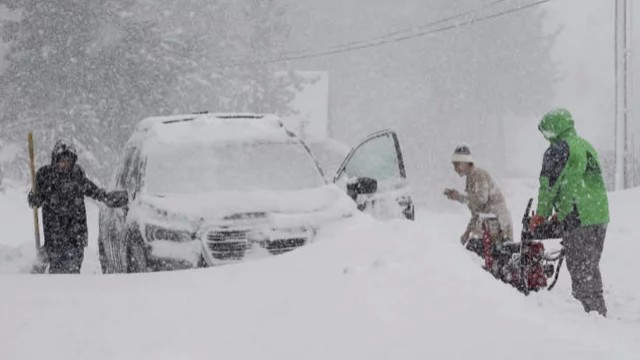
column 535, row 221
column 116, row 199
column 452, row 194
column 34, row 199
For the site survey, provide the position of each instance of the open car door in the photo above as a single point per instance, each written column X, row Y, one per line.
column 373, row 175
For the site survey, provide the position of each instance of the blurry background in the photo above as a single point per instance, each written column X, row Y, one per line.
column 91, row 71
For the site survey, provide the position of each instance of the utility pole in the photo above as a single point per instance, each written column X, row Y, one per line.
column 622, row 38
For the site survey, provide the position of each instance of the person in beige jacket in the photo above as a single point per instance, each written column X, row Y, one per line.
column 482, row 196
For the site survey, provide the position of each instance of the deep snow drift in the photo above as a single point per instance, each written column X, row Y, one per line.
column 364, row 290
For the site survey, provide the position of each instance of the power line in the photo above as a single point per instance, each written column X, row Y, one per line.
column 370, row 43
column 421, row 27
column 339, row 49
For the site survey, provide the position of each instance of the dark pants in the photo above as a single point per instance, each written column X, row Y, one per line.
column 583, row 249
column 66, row 260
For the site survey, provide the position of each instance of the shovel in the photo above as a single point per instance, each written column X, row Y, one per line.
column 40, row 264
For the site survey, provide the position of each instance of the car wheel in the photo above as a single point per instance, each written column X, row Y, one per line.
column 136, row 254
column 410, row 213
column 202, row 263
column 102, row 256
column 111, row 250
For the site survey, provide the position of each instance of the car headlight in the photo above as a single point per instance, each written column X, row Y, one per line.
column 154, row 232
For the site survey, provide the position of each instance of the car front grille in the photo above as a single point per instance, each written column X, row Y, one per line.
column 228, row 250
column 227, row 235
column 231, row 245
column 281, row 246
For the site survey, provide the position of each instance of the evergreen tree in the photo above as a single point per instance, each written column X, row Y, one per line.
column 90, row 70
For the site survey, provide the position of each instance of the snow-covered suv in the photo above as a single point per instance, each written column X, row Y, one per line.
column 209, row 189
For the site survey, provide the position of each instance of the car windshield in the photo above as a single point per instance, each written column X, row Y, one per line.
column 178, row 169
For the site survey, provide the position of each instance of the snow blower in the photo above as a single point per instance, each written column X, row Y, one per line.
column 524, row 265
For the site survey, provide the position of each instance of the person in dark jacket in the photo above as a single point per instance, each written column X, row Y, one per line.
column 60, row 190
column 572, row 189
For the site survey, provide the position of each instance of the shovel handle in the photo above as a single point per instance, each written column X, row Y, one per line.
column 32, row 168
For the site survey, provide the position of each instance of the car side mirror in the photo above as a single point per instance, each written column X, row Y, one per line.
column 362, row 186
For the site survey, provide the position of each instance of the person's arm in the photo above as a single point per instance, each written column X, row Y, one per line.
column 480, row 194
column 89, row 188
column 462, row 198
column 112, row 199
column 455, row 195
column 554, row 166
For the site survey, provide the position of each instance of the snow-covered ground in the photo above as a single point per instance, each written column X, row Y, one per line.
column 365, row 290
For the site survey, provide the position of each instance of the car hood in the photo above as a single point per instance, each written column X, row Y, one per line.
column 232, row 205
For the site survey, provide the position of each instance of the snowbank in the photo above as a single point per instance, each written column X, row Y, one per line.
column 619, row 264
column 17, row 249
column 364, row 290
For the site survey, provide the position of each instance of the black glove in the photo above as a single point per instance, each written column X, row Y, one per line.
column 116, row 199
column 35, row 199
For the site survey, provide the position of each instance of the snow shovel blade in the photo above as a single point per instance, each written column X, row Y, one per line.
column 40, row 264
column 39, row 268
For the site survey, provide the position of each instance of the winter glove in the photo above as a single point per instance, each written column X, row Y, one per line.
column 543, row 228
column 35, row 199
column 452, row 194
column 116, row 199
column 535, row 221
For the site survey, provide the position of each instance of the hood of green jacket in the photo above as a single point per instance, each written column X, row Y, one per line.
column 557, row 125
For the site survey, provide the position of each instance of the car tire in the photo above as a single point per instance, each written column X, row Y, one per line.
column 410, row 213
column 111, row 249
column 202, row 263
column 136, row 253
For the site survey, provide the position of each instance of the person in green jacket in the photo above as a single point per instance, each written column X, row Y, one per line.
column 573, row 192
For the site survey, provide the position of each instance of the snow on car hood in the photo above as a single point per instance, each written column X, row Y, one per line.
column 219, row 206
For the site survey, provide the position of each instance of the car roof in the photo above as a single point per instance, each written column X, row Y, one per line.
column 212, row 128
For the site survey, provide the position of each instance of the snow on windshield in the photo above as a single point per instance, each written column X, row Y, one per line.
column 203, row 168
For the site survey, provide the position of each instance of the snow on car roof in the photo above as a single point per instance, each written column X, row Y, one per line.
column 212, row 128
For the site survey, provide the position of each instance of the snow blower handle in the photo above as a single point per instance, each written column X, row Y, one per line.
column 550, row 228
column 527, row 234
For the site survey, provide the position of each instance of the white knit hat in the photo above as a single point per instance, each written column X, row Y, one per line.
column 462, row 154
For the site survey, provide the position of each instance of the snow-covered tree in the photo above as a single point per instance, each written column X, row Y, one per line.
column 90, row 70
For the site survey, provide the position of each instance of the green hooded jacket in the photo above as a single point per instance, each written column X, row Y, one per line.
column 571, row 180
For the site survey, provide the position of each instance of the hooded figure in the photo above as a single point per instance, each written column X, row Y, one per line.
column 60, row 190
column 572, row 189
column 482, row 196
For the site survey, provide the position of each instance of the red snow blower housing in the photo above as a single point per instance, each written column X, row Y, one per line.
column 524, row 265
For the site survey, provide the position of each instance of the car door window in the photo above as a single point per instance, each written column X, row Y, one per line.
column 376, row 158
column 125, row 169
column 132, row 181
